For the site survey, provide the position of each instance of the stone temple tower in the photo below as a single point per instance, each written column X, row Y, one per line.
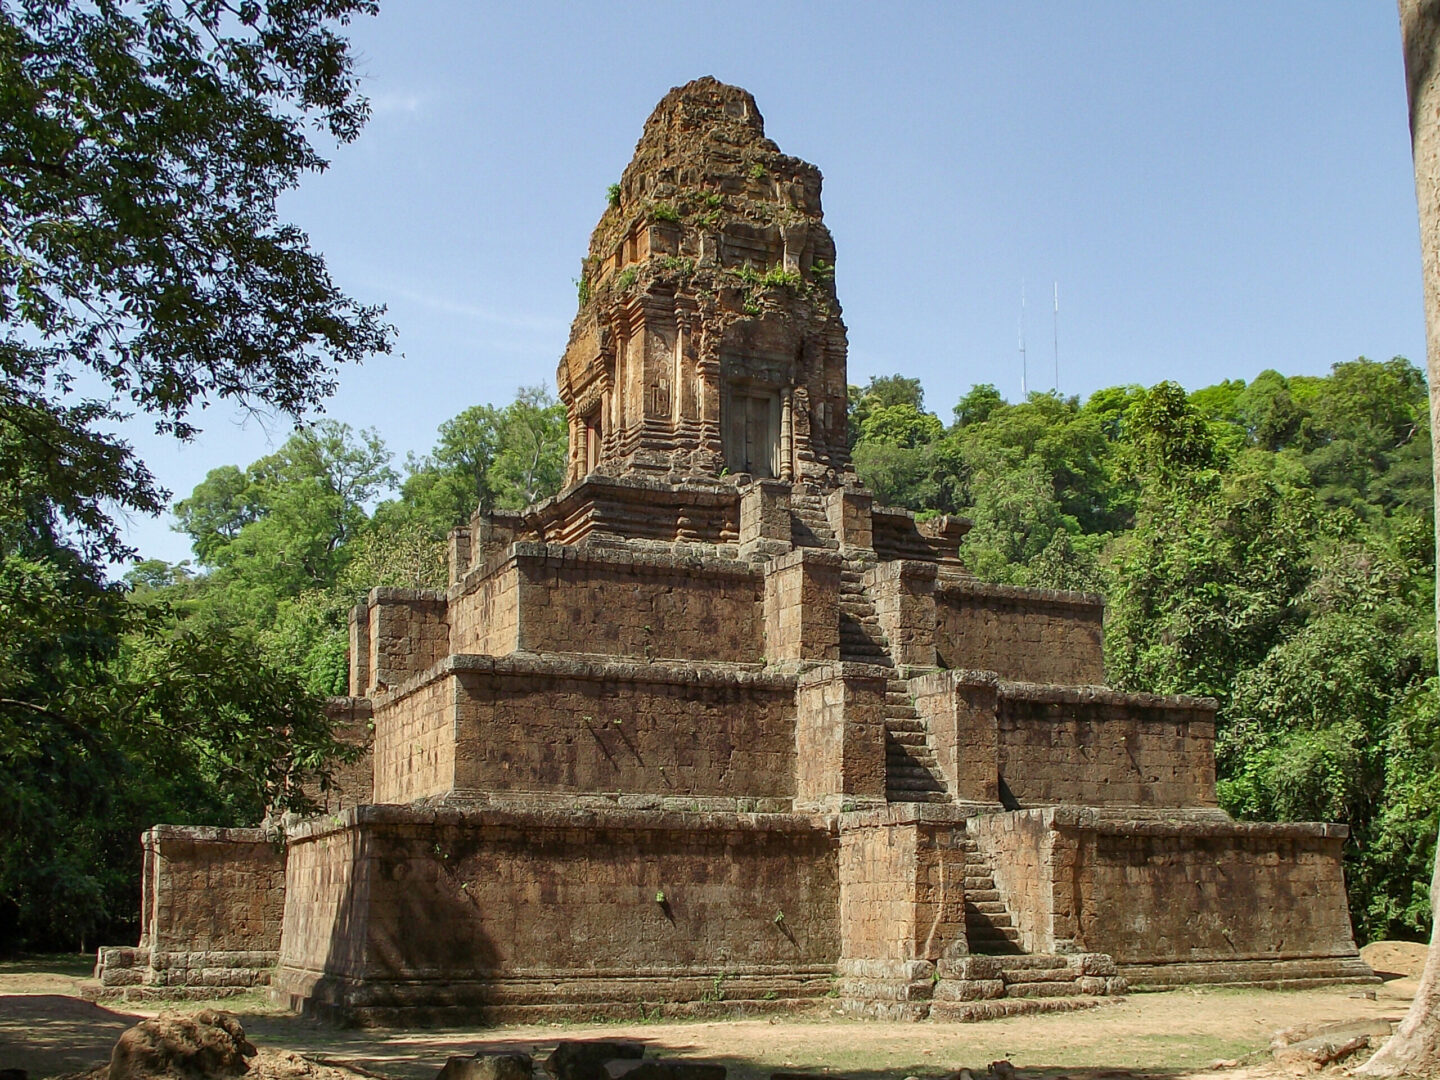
column 710, row 718
column 709, row 341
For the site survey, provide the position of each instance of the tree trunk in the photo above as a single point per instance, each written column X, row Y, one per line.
column 1414, row 1050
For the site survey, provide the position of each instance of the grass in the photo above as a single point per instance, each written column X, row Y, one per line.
column 74, row 965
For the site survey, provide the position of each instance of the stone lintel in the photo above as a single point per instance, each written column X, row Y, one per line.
column 1020, row 593
column 423, row 819
column 551, row 665
column 205, row 834
column 1045, row 694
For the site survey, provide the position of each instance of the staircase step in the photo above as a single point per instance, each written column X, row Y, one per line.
column 915, row 783
column 906, row 727
column 982, row 896
column 994, row 909
column 983, row 934
column 907, row 738
column 917, row 796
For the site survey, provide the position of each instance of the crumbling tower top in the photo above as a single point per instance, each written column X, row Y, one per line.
column 708, row 341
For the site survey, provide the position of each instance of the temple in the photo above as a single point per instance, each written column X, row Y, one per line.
column 709, row 728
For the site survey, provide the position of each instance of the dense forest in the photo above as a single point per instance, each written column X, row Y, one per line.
column 1268, row 543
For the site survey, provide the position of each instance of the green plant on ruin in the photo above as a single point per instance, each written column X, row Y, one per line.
column 626, row 278
column 777, row 275
column 710, row 218
column 677, row 264
column 820, row 270
column 664, row 211
column 757, row 171
column 713, row 200
column 612, row 194
column 582, row 289
column 716, row 993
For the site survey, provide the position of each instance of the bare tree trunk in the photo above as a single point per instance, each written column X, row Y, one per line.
column 1414, row 1050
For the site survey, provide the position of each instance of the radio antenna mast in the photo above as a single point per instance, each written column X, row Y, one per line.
column 1024, row 372
column 1056, row 324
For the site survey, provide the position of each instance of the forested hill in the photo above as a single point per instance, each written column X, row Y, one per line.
column 1269, row 543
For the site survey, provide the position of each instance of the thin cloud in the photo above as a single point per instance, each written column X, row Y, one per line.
column 537, row 324
column 395, row 103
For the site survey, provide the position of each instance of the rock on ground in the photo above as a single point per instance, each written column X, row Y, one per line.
column 208, row 1045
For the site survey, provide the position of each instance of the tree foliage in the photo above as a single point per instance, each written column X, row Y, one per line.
column 143, row 267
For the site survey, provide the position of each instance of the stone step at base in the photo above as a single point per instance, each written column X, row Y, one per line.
column 981, row 896
column 906, row 738
column 916, row 796
column 1269, row 974
column 991, row 908
column 964, row 1012
column 919, row 785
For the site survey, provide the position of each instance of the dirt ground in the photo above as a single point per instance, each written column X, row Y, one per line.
column 46, row 1029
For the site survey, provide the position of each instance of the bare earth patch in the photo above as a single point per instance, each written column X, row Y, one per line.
column 1166, row 1035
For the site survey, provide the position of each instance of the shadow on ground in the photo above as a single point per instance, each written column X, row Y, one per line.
column 50, row 1034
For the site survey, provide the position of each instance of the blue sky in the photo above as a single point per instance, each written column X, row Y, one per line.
column 1217, row 189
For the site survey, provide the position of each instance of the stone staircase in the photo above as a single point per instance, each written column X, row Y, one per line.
column 809, row 524
column 912, row 773
column 988, row 926
column 861, row 639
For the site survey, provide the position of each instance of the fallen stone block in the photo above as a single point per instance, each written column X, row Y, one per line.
column 512, row 1065
column 1341, row 1031
column 206, row 1045
column 585, row 1059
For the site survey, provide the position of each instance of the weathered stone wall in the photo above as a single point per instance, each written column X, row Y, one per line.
column 492, row 913
column 1023, row 854
column 669, row 731
column 1030, row 635
column 214, row 890
column 1171, row 892
column 414, row 748
column 485, row 612
column 1166, row 892
column 801, row 605
column 1080, row 745
column 902, row 885
column 1096, row 747
column 212, row 903
column 958, row 708
column 904, row 596
column 352, row 783
column 543, row 727
column 840, row 737
column 407, row 632
column 617, row 603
